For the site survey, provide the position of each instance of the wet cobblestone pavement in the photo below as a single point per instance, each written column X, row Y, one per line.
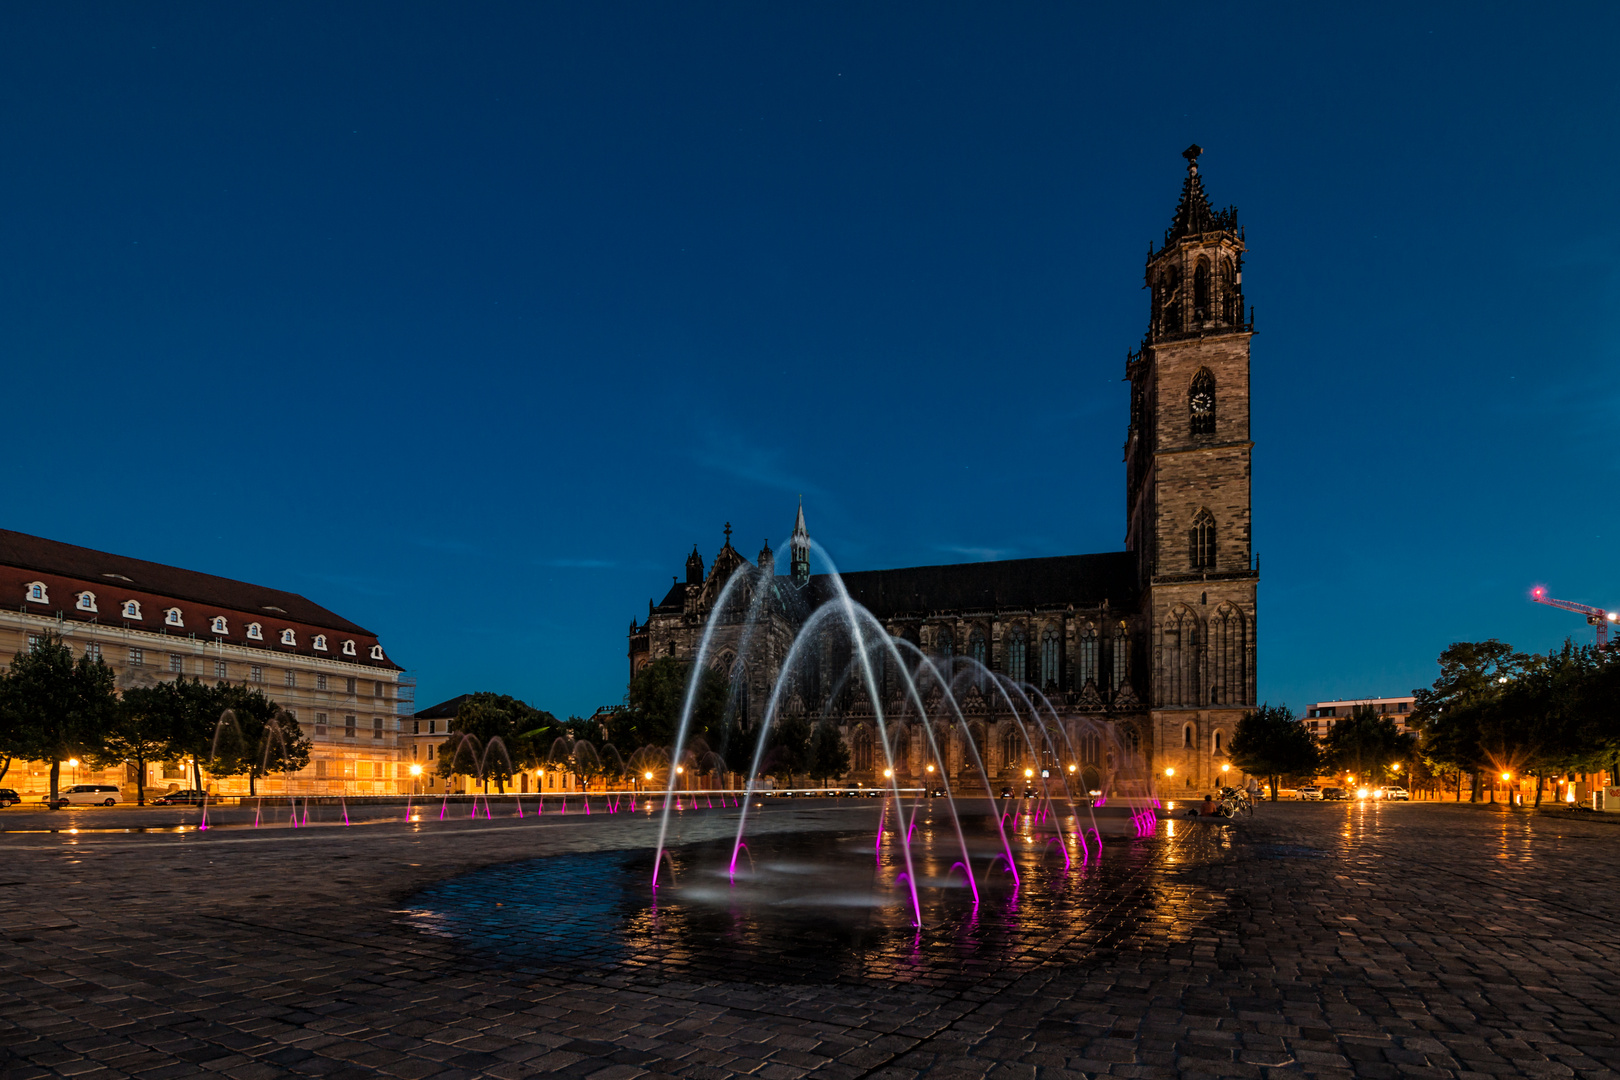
column 1323, row 940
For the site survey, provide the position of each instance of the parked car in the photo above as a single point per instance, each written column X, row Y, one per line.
column 190, row 797
column 1310, row 792
column 1335, row 794
column 1006, row 793
column 1397, row 794
column 9, row 797
column 87, row 795
column 936, row 793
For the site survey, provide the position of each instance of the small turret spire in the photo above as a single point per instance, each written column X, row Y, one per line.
column 694, row 567
column 800, row 543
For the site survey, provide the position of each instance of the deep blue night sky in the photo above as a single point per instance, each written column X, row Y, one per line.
column 467, row 321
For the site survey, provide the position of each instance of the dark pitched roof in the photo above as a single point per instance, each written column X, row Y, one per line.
column 675, row 599
column 444, row 710
column 1082, row 580
column 110, row 571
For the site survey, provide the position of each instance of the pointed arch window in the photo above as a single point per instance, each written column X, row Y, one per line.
column 1187, row 736
column 945, row 643
column 1201, row 290
column 1201, row 402
column 1201, row 541
column 1014, row 654
column 1088, row 656
column 1051, row 654
column 1010, row 749
column 1116, row 677
column 1170, row 300
column 976, row 651
column 1230, row 306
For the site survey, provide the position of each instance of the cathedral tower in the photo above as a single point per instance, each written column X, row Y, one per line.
column 1187, row 481
column 800, row 544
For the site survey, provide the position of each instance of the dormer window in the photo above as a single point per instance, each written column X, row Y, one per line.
column 255, row 631
column 320, row 643
column 34, row 592
column 288, row 637
column 132, row 610
column 348, row 649
column 87, row 601
column 172, row 617
column 376, row 652
column 220, row 626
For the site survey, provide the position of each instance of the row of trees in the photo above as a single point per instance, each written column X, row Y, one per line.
column 494, row 736
column 1492, row 711
column 53, row 708
column 1270, row 742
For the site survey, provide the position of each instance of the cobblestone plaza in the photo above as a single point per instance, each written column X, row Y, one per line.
column 1318, row 939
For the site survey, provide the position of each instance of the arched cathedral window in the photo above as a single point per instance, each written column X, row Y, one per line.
column 1049, row 658
column 1117, row 677
column 945, row 644
column 1230, row 312
column 1014, row 650
column 1011, row 750
column 1201, row 290
column 1201, row 402
column 1170, row 299
column 1088, row 656
column 1202, row 541
column 863, row 750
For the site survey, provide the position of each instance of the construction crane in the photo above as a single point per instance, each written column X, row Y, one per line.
column 1595, row 616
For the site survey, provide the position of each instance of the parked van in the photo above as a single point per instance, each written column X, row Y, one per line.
column 88, row 795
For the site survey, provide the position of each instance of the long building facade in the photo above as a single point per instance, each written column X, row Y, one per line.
column 150, row 622
column 1155, row 643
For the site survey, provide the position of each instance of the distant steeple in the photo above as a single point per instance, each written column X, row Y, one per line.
column 694, row 567
column 767, row 560
column 800, row 566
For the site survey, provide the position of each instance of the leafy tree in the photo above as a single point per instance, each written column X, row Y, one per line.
column 493, row 736
column 1269, row 742
column 53, row 708
column 1449, row 713
column 787, row 747
column 829, row 754
column 1367, row 743
column 264, row 739
column 139, row 735
column 656, row 697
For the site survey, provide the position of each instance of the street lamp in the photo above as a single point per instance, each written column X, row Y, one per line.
column 1072, row 768
column 1029, row 773
column 888, row 773
column 416, row 773
column 930, row 768
column 73, row 763
column 1169, row 772
column 1225, row 767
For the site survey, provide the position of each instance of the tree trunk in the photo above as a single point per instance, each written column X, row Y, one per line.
column 1474, row 786
column 1538, row 789
column 253, row 788
column 196, row 773
column 140, row 781
column 56, row 776
column 5, row 766
column 1274, row 786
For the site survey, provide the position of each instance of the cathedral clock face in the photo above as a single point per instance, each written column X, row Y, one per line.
column 1202, row 404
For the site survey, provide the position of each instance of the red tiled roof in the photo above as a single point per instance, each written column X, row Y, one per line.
column 114, row 578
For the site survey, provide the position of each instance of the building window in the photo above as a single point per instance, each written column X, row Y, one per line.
column 348, row 649
column 1010, row 755
column 288, row 637
column 292, row 678
column 377, row 689
column 255, row 631
column 1121, row 649
column 348, row 727
column 177, row 663
column 320, row 682
column 1217, row 742
column 945, row 643
column 320, row 643
column 430, row 751
column 376, row 727
column 137, row 658
column 34, row 592
column 222, row 670
column 416, row 727
column 171, row 617
column 1201, row 290
column 1201, row 402
column 219, row 626
column 348, row 685
column 320, row 770
column 132, row 610
column 86, row 602
column 1187, row 735
column 433, row 727
column 1202, row 541
column 1049, row 658
column 1088, row 656
column 1013, row 654
column 377, row 653
column 320, row 723
column 255, row 673
column 92, row 652
column 34, row 642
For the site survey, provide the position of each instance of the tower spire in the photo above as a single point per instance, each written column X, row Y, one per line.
column 800, row 542
column 1194, row 215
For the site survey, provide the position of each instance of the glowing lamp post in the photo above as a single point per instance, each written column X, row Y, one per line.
column 416, row 775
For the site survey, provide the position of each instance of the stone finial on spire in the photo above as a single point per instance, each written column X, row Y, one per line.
column 800, row 543
column 694, row 567
column 1194, row 215
column 728, row 534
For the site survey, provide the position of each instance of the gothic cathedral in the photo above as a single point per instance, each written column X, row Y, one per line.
column 1157, row 640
